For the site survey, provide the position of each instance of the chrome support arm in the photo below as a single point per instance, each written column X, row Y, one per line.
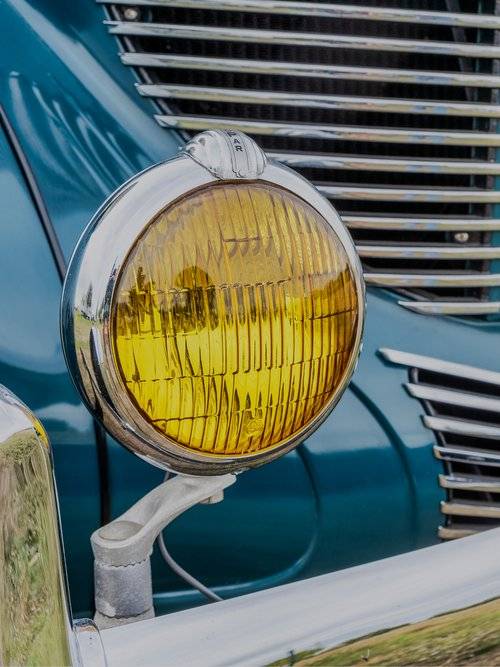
column 122, row 548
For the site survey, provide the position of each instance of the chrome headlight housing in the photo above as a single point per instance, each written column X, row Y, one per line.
column 213, row 309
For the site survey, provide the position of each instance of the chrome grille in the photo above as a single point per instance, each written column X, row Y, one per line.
column 462, row 406
column 391, row 111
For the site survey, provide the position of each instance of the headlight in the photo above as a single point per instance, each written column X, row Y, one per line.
column 213, row 309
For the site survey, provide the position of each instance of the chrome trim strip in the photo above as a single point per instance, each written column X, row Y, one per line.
column 311, row 100
column 471, row 508
column 457, row 454
column 439, row 366
column 393, row 193
column 470, row 483
column 291, row 38
column 450, row 533
column 338, row 132
column 450, row 397
column 369, row 163
column 471, row 429
column 421, row 223
column 428, row 251
column 432, row 279
column 317, row 70
column 452, row 307
column 457, row 20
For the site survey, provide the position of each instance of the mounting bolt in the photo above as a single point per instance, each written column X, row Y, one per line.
column 131, row 13
column 461, row 237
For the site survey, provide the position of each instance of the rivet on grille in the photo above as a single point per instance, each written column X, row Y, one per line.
column 131, row 13
column 461, row 237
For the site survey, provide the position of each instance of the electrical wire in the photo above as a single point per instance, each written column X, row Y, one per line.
column 180, row 571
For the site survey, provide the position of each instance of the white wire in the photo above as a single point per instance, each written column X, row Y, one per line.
column 180, row 571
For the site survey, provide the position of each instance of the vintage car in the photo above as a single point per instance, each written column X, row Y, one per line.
column 121, row 120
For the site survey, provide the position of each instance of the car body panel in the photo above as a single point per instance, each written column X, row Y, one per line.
column 32, row 365
column 363, row 486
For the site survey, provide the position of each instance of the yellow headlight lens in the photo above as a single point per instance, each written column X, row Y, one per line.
column 234, row 318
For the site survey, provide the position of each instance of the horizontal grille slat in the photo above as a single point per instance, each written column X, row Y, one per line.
column 453, row 307
column 331, row 132
column 459, row 398
column 471, row 510
column 366, row 13
column 422, row 279
column 314, row 70
column 391, row 111
column 289, row 38
column 446, row 533
column 421, row 223
column 462, row 409
column 408, row 194
column 473, row 457
column 319, row 161
column 440, row 366
column 470, row 483
column 458, row 427
column 428, row 251
column 268, row 97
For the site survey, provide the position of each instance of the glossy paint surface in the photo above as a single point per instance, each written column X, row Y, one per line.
column 32, row 366
column 362, row 487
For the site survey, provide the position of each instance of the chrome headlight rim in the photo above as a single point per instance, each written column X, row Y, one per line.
column 99, row 258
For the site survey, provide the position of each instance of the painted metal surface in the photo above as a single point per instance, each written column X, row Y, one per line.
column 32, row 365
column 362, row 487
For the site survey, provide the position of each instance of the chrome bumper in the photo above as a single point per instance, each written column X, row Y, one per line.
column 294, row 622
column 390, row 609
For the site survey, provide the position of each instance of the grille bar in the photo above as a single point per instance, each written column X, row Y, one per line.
column 326, row 161
column 462, row 405
column 458, row 427
column 471, row 509
column 479, row 483
column 331, row 132
column 456, row 20
column 446, row 533
column 440, row 366
column 351, row 102
column 453, row 307
column 473, row 457
column 459, row 398
column 289, row 38
column 422, row 279
column 422, row 223
column 314, row 70
column 394, row 193
column 428, row 251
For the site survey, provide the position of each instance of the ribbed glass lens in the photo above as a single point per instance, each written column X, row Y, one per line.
column 234, row 318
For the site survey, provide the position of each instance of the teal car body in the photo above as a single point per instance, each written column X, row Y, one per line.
column 363, row 487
